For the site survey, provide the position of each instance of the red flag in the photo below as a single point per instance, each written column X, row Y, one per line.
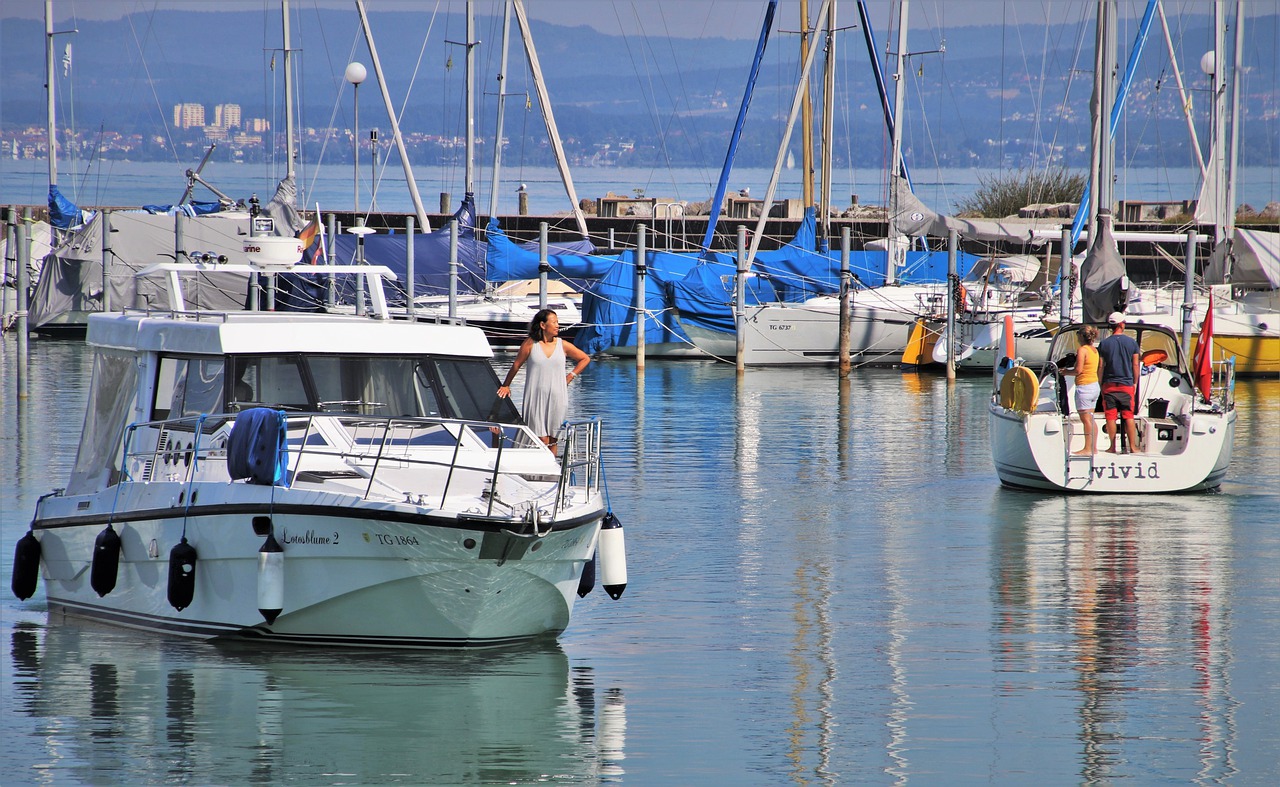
column 1203, row 363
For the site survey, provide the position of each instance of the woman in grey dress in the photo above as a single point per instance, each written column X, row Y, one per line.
column 546, row 385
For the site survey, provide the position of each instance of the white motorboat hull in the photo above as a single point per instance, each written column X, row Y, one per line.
column 354, row 494
column 355, row 574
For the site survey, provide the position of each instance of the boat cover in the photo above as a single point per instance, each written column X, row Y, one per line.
column 256, row 448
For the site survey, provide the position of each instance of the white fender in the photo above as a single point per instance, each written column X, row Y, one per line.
column 611, row 551
column 271, row 579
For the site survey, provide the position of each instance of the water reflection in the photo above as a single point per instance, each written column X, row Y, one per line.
column 1133, row 593
column 114, row 707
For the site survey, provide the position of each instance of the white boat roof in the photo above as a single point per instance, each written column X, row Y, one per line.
column 275, row 332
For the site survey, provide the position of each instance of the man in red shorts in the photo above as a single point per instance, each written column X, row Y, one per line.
column 1121, row 368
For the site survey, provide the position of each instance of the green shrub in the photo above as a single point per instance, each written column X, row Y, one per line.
column 1004, row 195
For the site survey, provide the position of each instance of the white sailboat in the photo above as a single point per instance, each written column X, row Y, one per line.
column 1243, row 270
column 1184, row 434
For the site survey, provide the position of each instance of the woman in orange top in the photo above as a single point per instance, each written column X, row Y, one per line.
column 1087, row 386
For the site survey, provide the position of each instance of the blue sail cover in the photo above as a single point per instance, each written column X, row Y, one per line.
column 511, row 261
column 608, row 316
column 63, row 213
column 794, row 274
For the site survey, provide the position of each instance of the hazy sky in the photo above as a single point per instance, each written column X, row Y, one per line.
column 678, row 18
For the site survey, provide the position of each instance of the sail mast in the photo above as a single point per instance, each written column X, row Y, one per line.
column 806, row 113
column 805, row 68
column 544, row 103
column 896, row 250
column 290, row 131
column 50, row 129
column 418, row 209
column 502, row 83
column 1233, row 152
column 828, row 122
column 470, row 187
column 717, row 202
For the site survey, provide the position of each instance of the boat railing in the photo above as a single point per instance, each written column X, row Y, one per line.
column 371, row 447
column 579, row 454
column 1222, row 389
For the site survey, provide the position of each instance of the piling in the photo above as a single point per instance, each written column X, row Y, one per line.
column 641, row 317
column 106, row 260
column 543, row 266
column 453, row 269
column 845, row 304
column 24, row 268
column 408, row 265
column 445, row 203
column 1066, row 278
column 740, row 298
column 331, row 288
column 953, row 295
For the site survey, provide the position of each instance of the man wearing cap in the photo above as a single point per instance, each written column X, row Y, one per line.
column 1121, row 366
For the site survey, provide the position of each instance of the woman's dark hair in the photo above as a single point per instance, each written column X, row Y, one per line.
column 535, row 327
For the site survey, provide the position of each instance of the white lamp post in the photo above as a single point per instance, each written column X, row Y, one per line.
column 355, row 74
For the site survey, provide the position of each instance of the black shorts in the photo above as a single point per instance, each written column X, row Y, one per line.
column 1117, row 400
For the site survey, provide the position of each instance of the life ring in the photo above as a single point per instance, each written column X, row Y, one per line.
column 1019, row 390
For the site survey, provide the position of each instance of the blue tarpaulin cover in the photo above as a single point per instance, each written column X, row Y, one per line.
column 63, row 213
column 256, row 448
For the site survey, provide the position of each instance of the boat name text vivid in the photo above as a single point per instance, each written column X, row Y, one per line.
column 1138, row 471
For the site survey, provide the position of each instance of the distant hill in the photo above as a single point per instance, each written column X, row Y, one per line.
column 998, row 96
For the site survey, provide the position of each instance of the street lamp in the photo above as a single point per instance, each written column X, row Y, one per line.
column 355, row 75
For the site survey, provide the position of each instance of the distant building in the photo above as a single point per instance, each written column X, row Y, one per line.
column 226, row 116
column 188, row 115
column 258, row 125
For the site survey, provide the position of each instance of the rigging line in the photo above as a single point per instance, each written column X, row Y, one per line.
column 1004, row 26
column 648, row 96
column 173, row 148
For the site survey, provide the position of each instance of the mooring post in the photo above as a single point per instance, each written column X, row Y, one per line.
column 408, row 266
column 24, row 268
column 453, row 269
column 953, row 295
column 642, row 270
column 106, row 260
column 846, row 293
column 740, row 297
column 543, row 267
column 331, row 291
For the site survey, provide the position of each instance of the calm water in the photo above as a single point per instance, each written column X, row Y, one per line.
column 826, row 587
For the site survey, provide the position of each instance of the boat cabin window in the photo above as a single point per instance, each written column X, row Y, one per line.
column 186, row 387
column 1066, row 344
column 370, row 385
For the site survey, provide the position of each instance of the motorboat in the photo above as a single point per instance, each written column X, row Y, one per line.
column 314, row 479
column 1184, row 434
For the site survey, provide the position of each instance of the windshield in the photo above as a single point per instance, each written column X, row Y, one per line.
column 411, row 386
